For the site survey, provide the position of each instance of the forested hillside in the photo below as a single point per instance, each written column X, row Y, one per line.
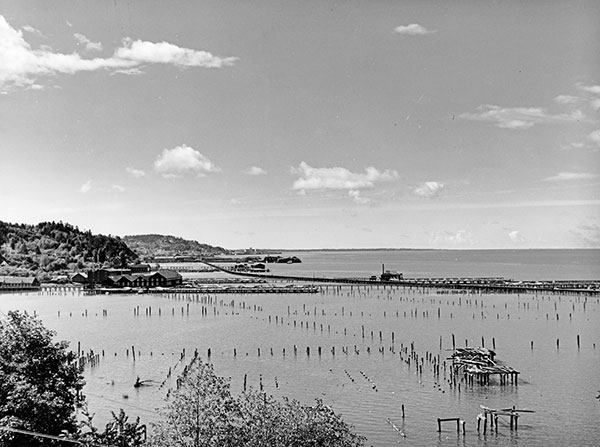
column 152, row 245
column 51, row 247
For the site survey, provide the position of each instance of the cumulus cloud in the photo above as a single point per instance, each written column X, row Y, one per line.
column 414, row 29
column 86, row 187
column 135, row 71
column 183, row 159
column 87, row 43
column 167, row 53
column 566, row 99
column 429, row 189
column 519, row 117
column 594, row 137
column 595, row 89
column 338, row 178
column 565, row 176
column 460, row 238
column 592, row 92
column 255, row 170
column 21, row 65
column 136, row 173
column 355, row 195
column 516, row 236
column 32, row 30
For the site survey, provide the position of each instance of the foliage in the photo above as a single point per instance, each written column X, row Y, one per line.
column 118, row 432
column 52, row 247
column 151, row 245
column 203, row 412
column 40, row 382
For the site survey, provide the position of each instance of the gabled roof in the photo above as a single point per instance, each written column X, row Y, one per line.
column 129, row 278
column 18, row 279
column 169, row 274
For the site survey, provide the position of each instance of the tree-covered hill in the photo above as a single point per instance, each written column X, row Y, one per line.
column 51, row 247
column 148, row 246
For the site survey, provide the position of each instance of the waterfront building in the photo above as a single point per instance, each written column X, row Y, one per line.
column 18, row 283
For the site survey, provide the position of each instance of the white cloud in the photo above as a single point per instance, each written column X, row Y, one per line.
column 135, row 71
column 595, row 137
column 87, row 43
column 255, row 170
column 32, row 30
column 166, row 53
column 86, row 187
column 460, row 238
column 516, row 236
column 338, row 178
column 136, row 173
column 591, row 94
column 21, row 65
column 355, row 195
column 565, row 176
column 590, row 88
column 414, row 29
column 183, row 159
column 566, row 99
column 429, row 189
column 519, row 117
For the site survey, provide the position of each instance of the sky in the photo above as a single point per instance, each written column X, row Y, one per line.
column 305, row 124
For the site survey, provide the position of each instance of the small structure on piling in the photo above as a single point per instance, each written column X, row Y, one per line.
column 494, row 413
column 479, row 364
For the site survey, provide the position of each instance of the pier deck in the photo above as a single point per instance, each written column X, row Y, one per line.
column 489, row 285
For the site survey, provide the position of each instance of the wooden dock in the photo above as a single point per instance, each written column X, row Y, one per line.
column 488, row 285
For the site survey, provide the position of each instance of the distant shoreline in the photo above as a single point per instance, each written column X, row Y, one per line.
column 424, row 249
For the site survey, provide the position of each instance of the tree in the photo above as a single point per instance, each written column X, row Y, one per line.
column 118, row 432
column 290, row 423
column 40, row 382
column 203, row 412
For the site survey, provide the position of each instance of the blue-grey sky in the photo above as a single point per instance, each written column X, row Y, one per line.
column 305, row 124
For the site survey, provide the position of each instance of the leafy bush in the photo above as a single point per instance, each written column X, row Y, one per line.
column 203, row 412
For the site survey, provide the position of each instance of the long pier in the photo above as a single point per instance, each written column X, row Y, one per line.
column 490, row 285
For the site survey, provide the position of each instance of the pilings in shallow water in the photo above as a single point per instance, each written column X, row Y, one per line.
column 354, row 319
column 459, row 423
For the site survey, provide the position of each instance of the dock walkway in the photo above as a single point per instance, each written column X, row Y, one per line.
column 489, row 285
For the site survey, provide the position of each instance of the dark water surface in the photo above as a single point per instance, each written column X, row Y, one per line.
column 559, row 384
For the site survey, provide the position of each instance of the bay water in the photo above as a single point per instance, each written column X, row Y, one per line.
column 365, row 334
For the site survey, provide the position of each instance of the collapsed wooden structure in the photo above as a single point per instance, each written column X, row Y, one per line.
column 477, row 365
column 494, row 413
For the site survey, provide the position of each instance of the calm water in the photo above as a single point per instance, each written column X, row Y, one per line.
column 510, row 264
column 560, row 384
